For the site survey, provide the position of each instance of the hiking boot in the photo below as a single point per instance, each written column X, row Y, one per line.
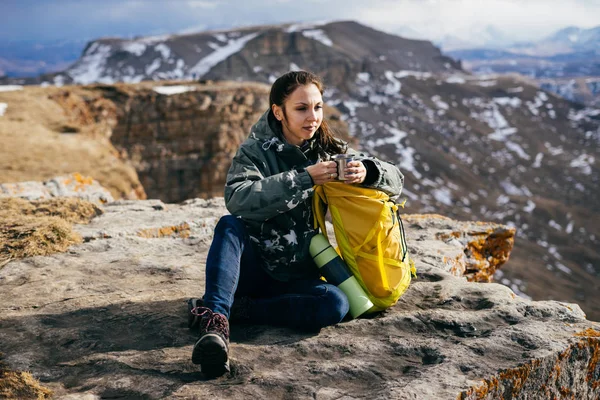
column 212, row 348
column 193, row 319
column 240, row 311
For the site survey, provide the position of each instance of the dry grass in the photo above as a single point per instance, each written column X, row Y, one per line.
column 20, row 385
column 32, row 228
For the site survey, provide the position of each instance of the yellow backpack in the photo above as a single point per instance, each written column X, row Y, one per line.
column 370, row 239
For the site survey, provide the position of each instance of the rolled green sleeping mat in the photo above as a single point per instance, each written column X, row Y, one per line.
column 336, row 272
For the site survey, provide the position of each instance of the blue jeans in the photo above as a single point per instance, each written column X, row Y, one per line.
column 234, row 270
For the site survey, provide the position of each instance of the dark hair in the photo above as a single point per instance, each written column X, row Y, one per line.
column 285, row 85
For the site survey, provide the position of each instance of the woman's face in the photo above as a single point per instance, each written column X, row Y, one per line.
column 303, row 114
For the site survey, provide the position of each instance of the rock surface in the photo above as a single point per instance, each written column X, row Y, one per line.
column 74, row 185
column 107, row 319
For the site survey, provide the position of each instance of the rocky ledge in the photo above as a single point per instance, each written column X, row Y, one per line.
column 107, row 319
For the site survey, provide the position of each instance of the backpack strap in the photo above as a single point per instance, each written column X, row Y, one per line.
column 319, row 207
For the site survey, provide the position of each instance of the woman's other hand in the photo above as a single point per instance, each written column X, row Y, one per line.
column 355, row 172
column 323, row 172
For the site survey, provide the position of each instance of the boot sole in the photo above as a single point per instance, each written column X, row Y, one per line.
column 210, row 351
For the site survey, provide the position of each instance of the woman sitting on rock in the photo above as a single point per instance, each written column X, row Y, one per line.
column 259, row 268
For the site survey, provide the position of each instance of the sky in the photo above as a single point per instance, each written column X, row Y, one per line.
column 48, row 20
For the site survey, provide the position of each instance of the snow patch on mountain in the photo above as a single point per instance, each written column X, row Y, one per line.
column 437, row 100
column 134, row 47
column 164, row 50
column 175, row 89
column 584, row 163
column 455, row 79
column 90, row 68
column 416, row 74
column 394, row 86
column 516, row 148
column 529, row 207
column 318, row 35
column 10, row 88
column 299, row 27
column 233, row 46
column 153, row 67
column 442, row 195
column 220, row 37
column 538, row 160
column 514, row 102
column 583, row 114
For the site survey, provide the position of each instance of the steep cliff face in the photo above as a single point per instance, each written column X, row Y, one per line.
column 108, row 319
column 182, row 144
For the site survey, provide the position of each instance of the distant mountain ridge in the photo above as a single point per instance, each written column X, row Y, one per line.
column 571, row 52
column 252, row 53
column 471, row 147
column 566, row 63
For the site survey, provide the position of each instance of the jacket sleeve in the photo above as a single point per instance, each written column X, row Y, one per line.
column 381, row 175
column 251, row 195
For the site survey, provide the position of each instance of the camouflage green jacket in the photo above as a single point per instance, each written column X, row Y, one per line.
column 269, row 189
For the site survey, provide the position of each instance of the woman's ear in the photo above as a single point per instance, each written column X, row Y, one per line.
column 277, row 112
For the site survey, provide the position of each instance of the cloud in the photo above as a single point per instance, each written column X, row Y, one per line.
column 64, row 19
column 202, row 4
column 523, row 19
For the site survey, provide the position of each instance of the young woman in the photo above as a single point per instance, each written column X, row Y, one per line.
column 259, row 261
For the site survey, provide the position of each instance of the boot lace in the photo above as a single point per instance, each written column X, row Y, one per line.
column 211, row 321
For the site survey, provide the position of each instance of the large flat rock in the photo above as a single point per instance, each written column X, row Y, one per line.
column 107, row 319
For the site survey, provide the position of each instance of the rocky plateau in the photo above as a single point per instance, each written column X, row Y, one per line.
column 107, row 319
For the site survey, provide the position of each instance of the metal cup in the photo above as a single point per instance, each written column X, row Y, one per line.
column 342, row 160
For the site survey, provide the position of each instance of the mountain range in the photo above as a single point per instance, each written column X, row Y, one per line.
column 566, row 63
column 471, row 147
column 570, row 52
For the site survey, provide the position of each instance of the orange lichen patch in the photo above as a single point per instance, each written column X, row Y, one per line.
column 78, row 182
column 81, row 179
column 485, row 251
column 181, row 230
column 518, row 376
column 445, row 236
column 593, row 376
column 488, row 252
column 487, row 387
column 565, row 392
column 495, row 386
column 589, row 332
column 513, row 380
column 20, row 385
column 457, row 264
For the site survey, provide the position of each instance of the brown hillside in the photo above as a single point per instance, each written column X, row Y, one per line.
column 40, row 140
